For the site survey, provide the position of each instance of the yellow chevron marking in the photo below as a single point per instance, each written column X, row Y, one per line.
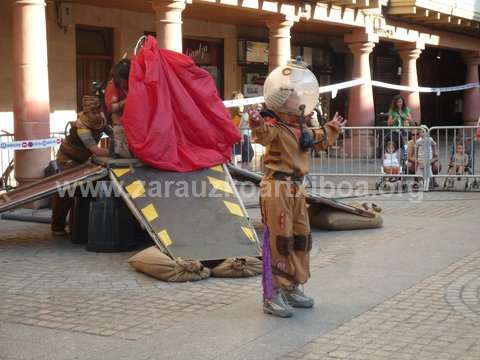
column 120, row 171
column 235, row 209
column 220, row 185
column 249, row 233
column 135, row 189
column 165, row 238
column 217, row 168
column 149, row 212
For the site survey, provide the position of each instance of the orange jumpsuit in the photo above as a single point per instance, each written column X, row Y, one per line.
column 282, row 198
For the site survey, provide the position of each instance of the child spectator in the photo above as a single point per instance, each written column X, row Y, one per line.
column 391, row 159
column 427, row 154
column 459, row 161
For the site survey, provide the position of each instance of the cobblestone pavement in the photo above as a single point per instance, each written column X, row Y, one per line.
column 438, row 318
column 54, row 284
column 51, row 283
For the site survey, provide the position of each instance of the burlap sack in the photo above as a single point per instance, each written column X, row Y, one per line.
column 153, row 262
column 332, row 219
column 238, row 267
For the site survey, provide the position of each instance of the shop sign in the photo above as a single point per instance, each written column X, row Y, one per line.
column 202, row 52
column 380, row 29
column 199, row 54
column 251, row 90
column 256, row 52
column 387, row 33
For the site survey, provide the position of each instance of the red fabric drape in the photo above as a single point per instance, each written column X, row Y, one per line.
column 173, row 118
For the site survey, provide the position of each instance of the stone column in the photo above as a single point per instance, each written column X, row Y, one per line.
column 471, row 97
column 361, row 110
column 168, row 14
column 361, row 107
column 279, row 52
column 409, row 55
column 31, row 104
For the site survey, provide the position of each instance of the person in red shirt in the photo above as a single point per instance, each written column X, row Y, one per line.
column 115, row 99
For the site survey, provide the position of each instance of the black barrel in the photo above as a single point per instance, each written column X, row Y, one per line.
column 111, row 226
column 79, row 219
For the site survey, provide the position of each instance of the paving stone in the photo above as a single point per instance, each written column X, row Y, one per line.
column 52, row 283
column 444, row 324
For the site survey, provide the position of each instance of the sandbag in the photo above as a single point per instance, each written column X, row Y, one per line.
column 153, row 262
column 327, row 218
column 238, row 267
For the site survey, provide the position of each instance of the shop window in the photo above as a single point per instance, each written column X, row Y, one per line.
column 207, row 54
column 253, row 59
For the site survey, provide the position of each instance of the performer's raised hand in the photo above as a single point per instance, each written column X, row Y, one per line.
column 255, row 119
column 338, row 121
column 308, row 117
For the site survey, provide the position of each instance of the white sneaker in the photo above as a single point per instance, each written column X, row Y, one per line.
column 298, row 299
column 277, row 306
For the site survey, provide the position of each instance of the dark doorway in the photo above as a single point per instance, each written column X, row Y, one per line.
column 94, row 58
column 341, row 64
column 439, row 68
column 385, row 67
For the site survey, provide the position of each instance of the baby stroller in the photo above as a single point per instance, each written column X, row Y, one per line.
column 393, row 180
column 459, row 181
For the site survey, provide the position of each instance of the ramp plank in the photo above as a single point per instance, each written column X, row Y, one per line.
column 312, row 198
column 195, row 215
column 50, row 185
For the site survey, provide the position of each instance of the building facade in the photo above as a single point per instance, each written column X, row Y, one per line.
column 53, row 51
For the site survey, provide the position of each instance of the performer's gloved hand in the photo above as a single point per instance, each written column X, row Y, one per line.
column 254, row 118
column 108, row 130
column 337, row 121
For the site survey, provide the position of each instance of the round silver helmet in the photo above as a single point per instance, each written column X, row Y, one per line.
column 289, row 87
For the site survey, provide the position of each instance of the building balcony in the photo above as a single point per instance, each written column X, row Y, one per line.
column 462, row 16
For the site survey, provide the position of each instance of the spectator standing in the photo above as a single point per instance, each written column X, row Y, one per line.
column 236, row 111
column 247, row 148
column 427, row 154
column 399, row 114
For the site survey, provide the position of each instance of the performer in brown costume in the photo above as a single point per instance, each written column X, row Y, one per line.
column 80, row 143
column 290, row 92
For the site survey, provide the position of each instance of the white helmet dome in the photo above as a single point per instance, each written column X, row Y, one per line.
column 288, row 87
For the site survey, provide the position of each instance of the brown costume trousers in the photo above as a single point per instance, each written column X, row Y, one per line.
column 284, row 212
column 61, row 206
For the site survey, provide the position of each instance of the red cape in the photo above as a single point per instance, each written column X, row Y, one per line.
column 173, row 118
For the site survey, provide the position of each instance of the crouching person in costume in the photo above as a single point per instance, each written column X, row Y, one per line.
column 80, row 143
column 290, row 92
